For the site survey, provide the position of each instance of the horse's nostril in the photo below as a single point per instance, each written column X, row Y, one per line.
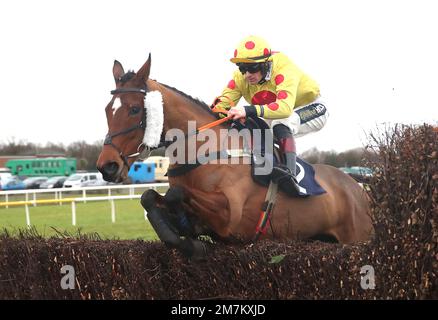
column 112, row 167
column 109, row 170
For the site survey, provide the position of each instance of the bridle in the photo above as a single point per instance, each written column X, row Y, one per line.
column 142, row 125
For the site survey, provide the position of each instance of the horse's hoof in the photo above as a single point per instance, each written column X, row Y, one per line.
column 148, row 199
column 194, row 249
column 200, row 250
column 174, row 195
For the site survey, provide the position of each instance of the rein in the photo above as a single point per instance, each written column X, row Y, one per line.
column 185, row 168
column 216, row 122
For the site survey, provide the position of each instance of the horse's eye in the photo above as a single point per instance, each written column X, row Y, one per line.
column 134, row 110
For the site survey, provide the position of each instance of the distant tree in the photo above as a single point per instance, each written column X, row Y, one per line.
column 82, row 164
column 349, row 158
column 311, row 155
column 85, row 153
column 12, row 147
column 331, row 158
column 51, row 149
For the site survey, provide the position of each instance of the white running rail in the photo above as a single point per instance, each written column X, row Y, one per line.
column 59, row 199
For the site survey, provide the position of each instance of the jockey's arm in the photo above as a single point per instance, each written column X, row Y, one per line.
column 287, row 81
column 230, row 96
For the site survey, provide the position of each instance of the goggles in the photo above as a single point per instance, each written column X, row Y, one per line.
column 249, row 67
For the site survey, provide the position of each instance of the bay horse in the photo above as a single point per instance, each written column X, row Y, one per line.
column 218, row 200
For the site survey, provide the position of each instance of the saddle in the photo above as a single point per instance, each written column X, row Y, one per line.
column 265, row 156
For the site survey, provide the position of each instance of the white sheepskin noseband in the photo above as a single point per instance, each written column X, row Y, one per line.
column 153, row 103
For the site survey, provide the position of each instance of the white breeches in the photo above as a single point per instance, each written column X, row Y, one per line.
column 305, row 119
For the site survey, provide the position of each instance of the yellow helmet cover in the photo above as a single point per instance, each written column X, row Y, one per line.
column 252, row 50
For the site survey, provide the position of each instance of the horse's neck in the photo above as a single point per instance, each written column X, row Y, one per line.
column 179, row 110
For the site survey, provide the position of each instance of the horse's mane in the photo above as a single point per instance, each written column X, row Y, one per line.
column 130, row 74
column 198, row 102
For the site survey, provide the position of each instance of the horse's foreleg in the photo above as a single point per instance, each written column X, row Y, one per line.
column 152, row 202
column 174, row 199
column 163, row 222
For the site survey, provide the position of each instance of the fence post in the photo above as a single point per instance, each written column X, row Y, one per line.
column 34, row 199
column 84, row 195
column 7, row 200
column 27, row 216
column 113, row 211
column 73, row 213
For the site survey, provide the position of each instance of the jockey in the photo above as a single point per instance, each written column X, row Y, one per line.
column 277, row 91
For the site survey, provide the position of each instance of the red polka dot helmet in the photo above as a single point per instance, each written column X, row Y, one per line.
column 252, row 50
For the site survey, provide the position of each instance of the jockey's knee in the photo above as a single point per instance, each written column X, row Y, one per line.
column 281, row 131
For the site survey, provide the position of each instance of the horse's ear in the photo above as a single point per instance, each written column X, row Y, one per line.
column 145, row 69
column 118, row 71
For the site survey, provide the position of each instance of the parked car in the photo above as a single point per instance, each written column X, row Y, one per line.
column 90, row 179
column 12, row 183
column 34, row 182
column 4, row 176
column 360, row 174
column 361, row 171
column 53, row 182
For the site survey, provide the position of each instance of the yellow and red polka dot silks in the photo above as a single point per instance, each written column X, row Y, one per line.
column 287, row 87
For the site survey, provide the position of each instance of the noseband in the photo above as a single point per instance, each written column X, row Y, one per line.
column 141, row 125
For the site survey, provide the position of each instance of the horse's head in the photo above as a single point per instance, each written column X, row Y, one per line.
column 126, row 116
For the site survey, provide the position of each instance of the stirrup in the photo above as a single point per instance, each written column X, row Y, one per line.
column 283, row 176
column 280, row 173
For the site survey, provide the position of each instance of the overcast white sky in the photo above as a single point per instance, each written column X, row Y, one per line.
column 375, row 60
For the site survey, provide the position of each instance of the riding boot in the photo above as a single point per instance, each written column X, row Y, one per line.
column 291, row 162
column 286, row 172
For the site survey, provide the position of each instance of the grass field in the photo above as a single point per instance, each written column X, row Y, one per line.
column 91, row 217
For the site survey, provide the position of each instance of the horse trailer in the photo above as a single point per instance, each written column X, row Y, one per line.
column 141, row 172
column 48, row 167
column 161, row 166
